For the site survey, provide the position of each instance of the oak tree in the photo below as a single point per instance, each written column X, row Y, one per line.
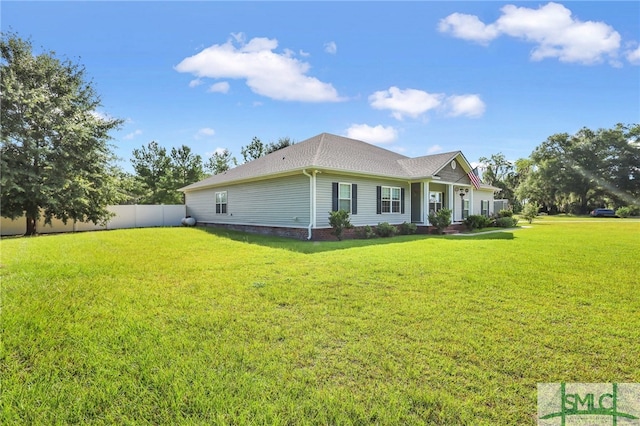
column 55, row 157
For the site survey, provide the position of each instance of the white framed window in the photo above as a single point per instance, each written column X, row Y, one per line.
column 435, row 201
column 221, row 202
column 390, row 199
column 484, row 207
column 465, row 209
column 344, row 197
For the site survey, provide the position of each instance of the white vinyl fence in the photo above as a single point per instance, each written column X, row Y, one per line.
column 126, row 216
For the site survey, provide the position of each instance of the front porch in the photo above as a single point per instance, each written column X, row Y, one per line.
column 429, row 197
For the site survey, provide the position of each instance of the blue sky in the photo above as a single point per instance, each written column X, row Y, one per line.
column 413, row 77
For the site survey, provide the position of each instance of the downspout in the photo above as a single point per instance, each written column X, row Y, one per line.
column 311, row 201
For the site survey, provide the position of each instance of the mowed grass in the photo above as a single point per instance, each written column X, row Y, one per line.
column 196, row 326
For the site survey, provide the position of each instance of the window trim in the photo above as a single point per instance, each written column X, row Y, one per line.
column 391, row 200
column 484, row 211
column 221, row 207
column 340, row 184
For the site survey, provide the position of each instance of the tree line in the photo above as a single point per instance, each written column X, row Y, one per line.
column 159, row 173
column 573, row 173
column 56, row 160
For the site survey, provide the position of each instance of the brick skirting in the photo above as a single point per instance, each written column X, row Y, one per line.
column 323, row 234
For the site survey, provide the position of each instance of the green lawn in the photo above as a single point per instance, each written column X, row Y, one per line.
column 195, row 326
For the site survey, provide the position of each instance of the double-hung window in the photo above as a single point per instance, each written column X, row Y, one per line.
column 221, row 202
column 465, row 210
column 484, row 207
column 344, row 197
column 390, row 199
column 435, row 201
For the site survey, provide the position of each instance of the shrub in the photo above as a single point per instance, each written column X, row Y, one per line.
column 623, row 211
column 339, row 221
column 407, row 228
column 505, row 213
column 367, row 232
column 440, row 220
column 476, row 221
column 506, row 222
column 530, row 211
column 385, row 230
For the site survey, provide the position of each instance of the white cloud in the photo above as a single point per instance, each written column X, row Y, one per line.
column 409, row 102
column 466, row 105
column 633, row 56
column 414, row 103
column 434, row 149
column 195, row 83
column 205, row 132
column 331, row 47
column 133, row 134
column 551, row 28
column 221, row 87
column 468, row 27
column 274, row 75
column 376, row 135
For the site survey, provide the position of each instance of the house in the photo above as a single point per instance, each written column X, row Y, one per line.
column 291, row 191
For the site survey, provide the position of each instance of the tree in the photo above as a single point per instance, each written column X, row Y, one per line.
column 153, row 170
column 574, row 173
column 253, row 151
column 275, row 146
column 499, row 172
column 55, row 154
column 530, row 211
column 186, row 168
column 130, row 190
column 160, row 175
column 220, row 162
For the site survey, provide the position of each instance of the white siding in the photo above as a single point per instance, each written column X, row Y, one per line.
column 367, row 200
column 478, row 196
column 274, row 202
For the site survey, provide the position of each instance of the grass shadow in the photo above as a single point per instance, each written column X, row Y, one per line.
column 311, row 247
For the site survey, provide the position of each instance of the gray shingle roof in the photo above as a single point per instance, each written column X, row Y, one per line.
column 332, row 152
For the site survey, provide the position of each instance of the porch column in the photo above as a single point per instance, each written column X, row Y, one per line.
column 425, row 210
column 451, row 202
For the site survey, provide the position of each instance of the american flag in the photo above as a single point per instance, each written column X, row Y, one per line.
column 474, row 178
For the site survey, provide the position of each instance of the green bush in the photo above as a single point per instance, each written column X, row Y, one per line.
column 530, row 211
column 339, row 221
column 506, row 222
column 385, row 230
column 623, row 211
column 366, row 232
column 476, row 221
column 407, row 228
column 440, row 220
column 505, row 213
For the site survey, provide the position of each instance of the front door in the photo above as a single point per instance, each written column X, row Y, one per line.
column 416, row 203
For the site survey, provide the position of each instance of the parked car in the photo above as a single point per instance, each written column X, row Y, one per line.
column 603, row 213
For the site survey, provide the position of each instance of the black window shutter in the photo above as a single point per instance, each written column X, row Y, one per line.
column 379, row 200
column 402, row 200
column 334, row 205
column 354, row 198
